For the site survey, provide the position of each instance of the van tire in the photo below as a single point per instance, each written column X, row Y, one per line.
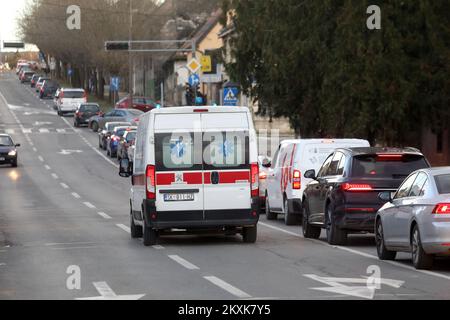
column 269, row 214
column 149, row 236
column 136, row 231
column 249, row 234
column 309, row 231
column 289, row 218
column 335, row 236
column 94, row 126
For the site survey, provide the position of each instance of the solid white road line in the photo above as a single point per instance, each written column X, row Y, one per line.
column 104, row 215
column 124, row 228
column 183, row 262
column 89, row 205
column 360, row 253
column 65, row 186
column 228, row 287
column 76, row 195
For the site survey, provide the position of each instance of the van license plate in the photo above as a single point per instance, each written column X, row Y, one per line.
column 179, row 197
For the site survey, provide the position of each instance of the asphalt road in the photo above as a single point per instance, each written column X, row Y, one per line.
column 69, row 209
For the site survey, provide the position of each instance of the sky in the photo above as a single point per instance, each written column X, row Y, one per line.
column 10, row 10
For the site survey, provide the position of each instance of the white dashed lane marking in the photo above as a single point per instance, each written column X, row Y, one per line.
column 228, row 287
column 124, row 228
column 104, row 215
column 76, row 195
column 184, row 262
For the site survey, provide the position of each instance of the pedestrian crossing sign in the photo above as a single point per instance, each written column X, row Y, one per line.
column 230, row 96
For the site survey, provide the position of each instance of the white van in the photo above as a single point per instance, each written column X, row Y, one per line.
column 285, row 180
column 68, row 100
column 194, row 169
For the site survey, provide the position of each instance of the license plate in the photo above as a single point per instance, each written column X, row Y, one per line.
column 2, row 159
column 178, row 197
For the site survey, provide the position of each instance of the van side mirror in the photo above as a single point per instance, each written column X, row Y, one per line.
column 125, row 168
column 385, row 196
column 266, row 163
column 310, row 174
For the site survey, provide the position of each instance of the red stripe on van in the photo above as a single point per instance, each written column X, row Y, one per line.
column 165, row 179
column 229, row 176
column 193, row 177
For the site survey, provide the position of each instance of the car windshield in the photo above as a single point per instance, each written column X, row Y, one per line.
column 5, row 141
column 90, row 108
column 73, row 94
column 443, row 183
column 372, row 166
column 131, row 136
column 111, row 126
column 43, row 79
column 135, row 112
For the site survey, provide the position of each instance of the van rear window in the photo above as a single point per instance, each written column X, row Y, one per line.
column 73, row 94
column 369, row 166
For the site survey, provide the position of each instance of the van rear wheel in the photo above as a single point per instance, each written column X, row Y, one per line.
column 289, row 218
column 249, row 234
column 150, row 236
column 136, row 231
column 269, row 214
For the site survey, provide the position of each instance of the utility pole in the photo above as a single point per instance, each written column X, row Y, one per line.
column 130, row 58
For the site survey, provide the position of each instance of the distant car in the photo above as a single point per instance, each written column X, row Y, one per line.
column 116, row 115
column 22, row 65
column 125, row 142
column 69, row 99
column 40, row 82
column 105, row 133
column 26, row 76
column 34, row 80
column 264, row 165
column 416, row 219
column 140, row 103
column 84, row 112
column 343, row 196
column 48, row 89
column 112, row 142
column 8, row 150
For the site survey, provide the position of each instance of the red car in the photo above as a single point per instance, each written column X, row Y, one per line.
column 140, row 103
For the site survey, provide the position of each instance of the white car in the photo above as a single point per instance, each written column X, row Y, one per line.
column 194, row 168
column 69, row 99
column 285, row 180
column 416, row 219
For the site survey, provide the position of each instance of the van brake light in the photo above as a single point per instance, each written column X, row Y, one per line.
column 150, row 182
column 354, row 187
column 296, row 180
column 442, row 208
column 254, row 172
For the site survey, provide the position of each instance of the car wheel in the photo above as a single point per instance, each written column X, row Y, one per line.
column 75, row 124
column 249, row 234
column 136, row 231
column 59, row 113
column 289, row 218
column 107, row 152
column 383, row 253
column 149, row 236
column 421, row 259
column 309, row 231
column 335, row 236
column 94, row 126
column 269, row 214
column 14, row 164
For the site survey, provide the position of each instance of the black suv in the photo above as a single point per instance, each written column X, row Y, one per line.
column 84, row 112
column 343, row 198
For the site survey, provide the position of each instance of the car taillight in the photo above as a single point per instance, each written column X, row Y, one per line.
column 262, row 175
column 296, row 180
column 354, row 187
column 442, row 208
column 254, row 172
column 136, row 120
column 150, row 182
column 389, row 157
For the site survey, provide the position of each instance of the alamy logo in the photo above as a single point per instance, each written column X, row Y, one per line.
column 73, row 22
column 374, row 21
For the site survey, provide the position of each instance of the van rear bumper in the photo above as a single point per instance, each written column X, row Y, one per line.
column 200, row 219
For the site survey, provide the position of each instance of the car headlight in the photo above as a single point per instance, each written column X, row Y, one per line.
column 12, row 153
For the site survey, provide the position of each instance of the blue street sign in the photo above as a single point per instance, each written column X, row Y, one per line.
column 70, row 72
column 115, row 83
column 194, row 80
column 230, row 96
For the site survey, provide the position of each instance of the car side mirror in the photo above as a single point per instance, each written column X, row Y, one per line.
column 385, row 196
column 310, row 174
column 125, row 168
column 266, row 163
column 18, row 145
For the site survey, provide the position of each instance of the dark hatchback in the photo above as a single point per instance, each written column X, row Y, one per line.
column 84, row 112
column 48, row 89
column 343, row 196
column 8, row 151
column 34, row 80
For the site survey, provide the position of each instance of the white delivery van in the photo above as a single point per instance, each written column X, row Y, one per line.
column 285, row 180
column 69, row 99
column 195, row 169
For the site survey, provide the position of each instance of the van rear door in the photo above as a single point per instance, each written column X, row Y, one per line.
column 227, row 183
column 179, row 167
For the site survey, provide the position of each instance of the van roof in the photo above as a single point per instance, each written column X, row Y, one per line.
column 324, row 140
column 211, row 109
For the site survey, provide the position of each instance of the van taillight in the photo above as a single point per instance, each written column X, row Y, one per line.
column 442, row 208
column 150, row 182
column 296, row 180
column 61, row 95
column 254, row 172
column 355, row 187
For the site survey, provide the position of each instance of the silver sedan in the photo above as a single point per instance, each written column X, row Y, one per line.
column 416, row 218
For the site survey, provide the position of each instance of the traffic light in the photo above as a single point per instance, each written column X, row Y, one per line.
column 117, row 46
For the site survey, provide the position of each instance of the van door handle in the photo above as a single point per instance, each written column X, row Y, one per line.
column 214, row 177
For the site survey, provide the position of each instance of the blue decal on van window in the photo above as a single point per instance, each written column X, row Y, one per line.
column 227, row 149
column 178, row 149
